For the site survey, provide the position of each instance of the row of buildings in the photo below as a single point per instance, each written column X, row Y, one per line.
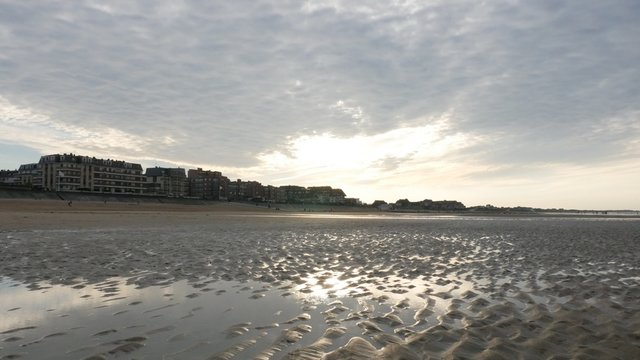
column 69, row 172
column 427, row 204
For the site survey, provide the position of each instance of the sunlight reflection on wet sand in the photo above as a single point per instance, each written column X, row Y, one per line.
column 314, row 287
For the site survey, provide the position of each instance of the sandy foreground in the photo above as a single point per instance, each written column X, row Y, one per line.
column 226, row 281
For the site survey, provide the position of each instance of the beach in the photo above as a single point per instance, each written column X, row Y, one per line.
column 52, row 214
column 96, row 280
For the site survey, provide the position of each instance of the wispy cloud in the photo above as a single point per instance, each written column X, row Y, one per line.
column 48, row 135
column 242, row 85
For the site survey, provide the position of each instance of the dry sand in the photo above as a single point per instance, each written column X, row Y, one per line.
column 33, row 214
column 362, row 287
column 57, row 214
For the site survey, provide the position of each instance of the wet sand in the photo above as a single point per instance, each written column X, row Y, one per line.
column 233, row 282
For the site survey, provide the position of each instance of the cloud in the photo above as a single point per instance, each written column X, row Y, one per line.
column 40, row 131
column 223, row 85
column 358, row 159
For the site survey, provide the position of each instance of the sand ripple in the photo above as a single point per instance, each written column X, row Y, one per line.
column 367, row 289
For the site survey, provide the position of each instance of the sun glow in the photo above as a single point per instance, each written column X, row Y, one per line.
column 367, row 164
column 361, row 152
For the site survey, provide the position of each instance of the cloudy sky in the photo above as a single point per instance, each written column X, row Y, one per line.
column 533, row 103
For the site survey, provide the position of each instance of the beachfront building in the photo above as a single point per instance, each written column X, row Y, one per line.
column 292, row 194
column 207, row 184
column 246, row 191
column 31, row 175
column 337, row 196
column 427, row 204
column 352, row 202
column 319, row 194
column 442, row 205
column 9, row 177
column 69, row 172
column 170, row 182
column 235, row 190
column 325, row 195
column 270, row 193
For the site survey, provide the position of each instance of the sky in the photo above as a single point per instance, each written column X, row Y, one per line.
column 510, row 103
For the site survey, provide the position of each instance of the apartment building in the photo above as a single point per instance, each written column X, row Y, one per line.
column 166, row 182
column 30, row 174
column 246, row 191
column 325, row 195
column 292, row 194
column 9, row 177
column 270, row 193
column 207, row 184
column 69, row 172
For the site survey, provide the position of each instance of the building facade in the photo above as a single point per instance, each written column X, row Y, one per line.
column 325, row 195
column 31, row 175
column 270, row 193
column 10, row 177
column 69, row 172
column 170, row 182
column 292, row 194
column 207, row 184
column 246, row 191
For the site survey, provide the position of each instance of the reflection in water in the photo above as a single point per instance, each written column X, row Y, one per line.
column 322, row 286
column 203, row 319
column 29, row 303
column 381, row 288
column 180, row 319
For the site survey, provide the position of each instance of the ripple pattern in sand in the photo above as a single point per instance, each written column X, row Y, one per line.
column 308, row 288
